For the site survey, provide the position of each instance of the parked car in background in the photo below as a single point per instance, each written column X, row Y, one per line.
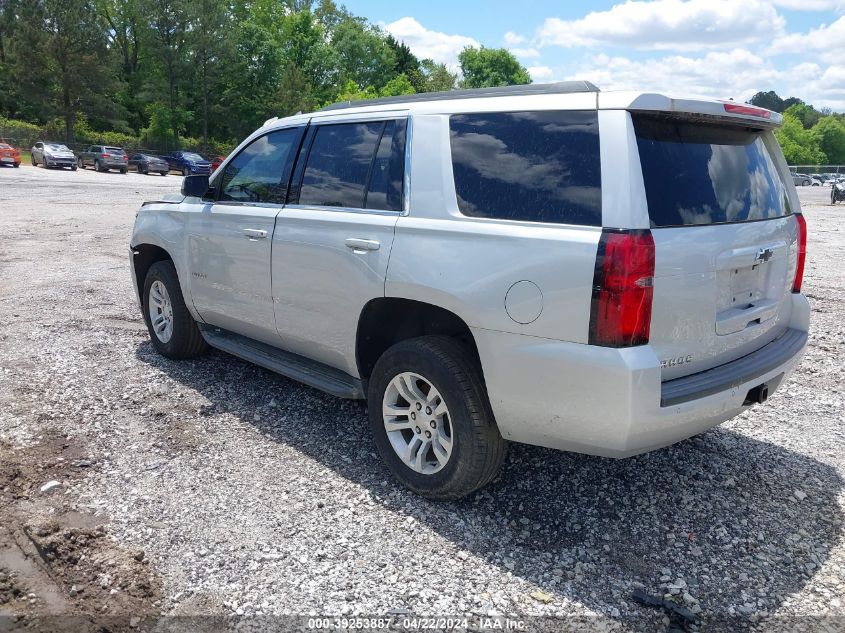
column 9, row 155
column 468, row 263
column 51, row 154
column 188, row 163
column 146, row 163
column 802, row 180
column 216, row 162
column 104, row 158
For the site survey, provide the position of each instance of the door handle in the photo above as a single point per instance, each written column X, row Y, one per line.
column 255, row 234
column 360, row 246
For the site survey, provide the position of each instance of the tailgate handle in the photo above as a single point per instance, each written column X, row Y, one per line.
column 737, row 319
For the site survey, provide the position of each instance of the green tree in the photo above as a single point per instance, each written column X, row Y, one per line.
column 61, row 60
column 807, row 114
column 800, row 146
column 363, row 54
column 488, row 67
column 830, row 132
column 436, row 77
column 169, row 23
column 209, row 45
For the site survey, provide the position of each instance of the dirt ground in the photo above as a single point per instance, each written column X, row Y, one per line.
column 132, row 487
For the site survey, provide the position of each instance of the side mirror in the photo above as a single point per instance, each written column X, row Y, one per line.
column 195, row 186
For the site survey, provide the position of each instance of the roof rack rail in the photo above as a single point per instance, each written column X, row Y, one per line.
column 561, row 87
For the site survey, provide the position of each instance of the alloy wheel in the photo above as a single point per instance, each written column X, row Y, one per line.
column 161, row 311
column 417, row 422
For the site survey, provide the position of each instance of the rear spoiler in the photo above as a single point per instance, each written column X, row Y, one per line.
column 706, row 109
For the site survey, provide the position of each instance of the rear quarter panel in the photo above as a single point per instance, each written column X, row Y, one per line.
column 467, row 265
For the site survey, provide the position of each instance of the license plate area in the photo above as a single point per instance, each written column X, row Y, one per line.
column 750, row 287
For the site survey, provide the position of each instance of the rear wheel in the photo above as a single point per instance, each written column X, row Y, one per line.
column 173, row 331
column 431, row 419
column 123, row 170
column 98, row 166
column 141, row 169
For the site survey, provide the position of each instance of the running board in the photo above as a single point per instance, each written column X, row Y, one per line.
column 293, row 366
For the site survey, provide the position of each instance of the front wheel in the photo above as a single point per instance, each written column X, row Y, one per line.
column 173, row 331
column 431, row 419
column 185, row 172
column 34, row 162
column 80, row 163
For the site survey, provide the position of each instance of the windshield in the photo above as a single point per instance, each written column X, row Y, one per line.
column 702, row 173
column 57, row 148
column 191, row 156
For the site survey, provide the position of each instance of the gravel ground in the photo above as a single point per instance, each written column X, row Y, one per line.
column 246, row 494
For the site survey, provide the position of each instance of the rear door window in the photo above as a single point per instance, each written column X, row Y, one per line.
column 261, row 171
column 338, row 166
column 702, row 173
column 384, row 191
column 533, row 166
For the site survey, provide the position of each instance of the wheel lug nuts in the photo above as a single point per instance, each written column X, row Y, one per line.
column 413, row 416
column 433, row 424
column 419, row 406
column 428, row 410
column 418, row 429
column 428, row 433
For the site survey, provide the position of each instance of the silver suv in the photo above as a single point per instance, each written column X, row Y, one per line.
column 606, row 273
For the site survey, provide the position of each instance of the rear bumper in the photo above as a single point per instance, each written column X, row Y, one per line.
column 605, row 401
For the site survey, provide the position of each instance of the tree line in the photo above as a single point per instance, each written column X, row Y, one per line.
column 808, row 136
column 173, row 73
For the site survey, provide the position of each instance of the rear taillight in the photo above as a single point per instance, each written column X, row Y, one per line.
column 802, row 252
column 623, row 287
column 104, row 155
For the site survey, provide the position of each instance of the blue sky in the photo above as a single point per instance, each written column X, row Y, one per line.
column 721, row 48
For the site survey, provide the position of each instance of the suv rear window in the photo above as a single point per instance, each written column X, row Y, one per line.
column 534, row 166
column 702, row 173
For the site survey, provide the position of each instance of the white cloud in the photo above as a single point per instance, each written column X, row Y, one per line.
column 736, row 74
column 540, row 73
column 513, row 39
column 424, row 43
column 668, row 24
column 525, row 52
column 810, row 5
column 828, row 40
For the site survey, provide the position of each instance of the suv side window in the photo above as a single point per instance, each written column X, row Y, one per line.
column 536, row 166
column 261, row 171
column 384, row 191
column 339, row 164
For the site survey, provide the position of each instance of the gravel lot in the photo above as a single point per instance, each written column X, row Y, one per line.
column 213, row 487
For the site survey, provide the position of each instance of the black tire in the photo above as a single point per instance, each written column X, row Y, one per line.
column 97, row 166
column 185, row 172
column 163, row 173
column 123, row 170
column 141, row 169
column 34, row 162
column 478, row 448
column 17, row 165
column 73, row 167
column 186, row 340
